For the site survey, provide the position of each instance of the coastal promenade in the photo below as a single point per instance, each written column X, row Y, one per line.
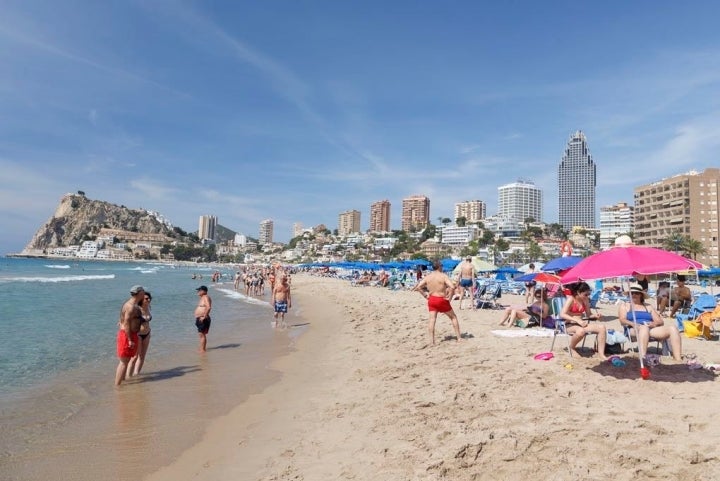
column 363, row 396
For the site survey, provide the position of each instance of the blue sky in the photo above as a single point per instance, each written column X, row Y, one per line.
column 297, row 111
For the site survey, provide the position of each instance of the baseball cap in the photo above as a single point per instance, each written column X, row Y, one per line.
column 135, row 289
column 202, row 288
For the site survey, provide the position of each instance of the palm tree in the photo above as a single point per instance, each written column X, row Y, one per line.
column 693, row 247
column 674, row 242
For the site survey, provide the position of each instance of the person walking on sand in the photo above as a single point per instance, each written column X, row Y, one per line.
column 202, row 316
column 281, row 300
column 438, row 289
column 127, row 336
column 467, row 281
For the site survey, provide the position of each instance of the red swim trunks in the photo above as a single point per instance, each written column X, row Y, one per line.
column 439, row 304
column 123, row 350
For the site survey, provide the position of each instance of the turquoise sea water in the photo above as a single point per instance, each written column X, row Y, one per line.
column 57, row 360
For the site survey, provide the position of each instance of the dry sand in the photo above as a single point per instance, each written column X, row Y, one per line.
column 363, row 397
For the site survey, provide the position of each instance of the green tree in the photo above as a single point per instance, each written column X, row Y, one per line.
column 674, row 242
column 693, row 247
column 461, row 221
column 534, row 252
column 486, row 239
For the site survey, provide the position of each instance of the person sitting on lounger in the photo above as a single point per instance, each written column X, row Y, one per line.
column 577, row 316
column 649, row 323
column 537, row 313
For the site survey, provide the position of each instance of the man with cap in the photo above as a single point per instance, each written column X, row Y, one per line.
column 202, row 315
column 127, row 336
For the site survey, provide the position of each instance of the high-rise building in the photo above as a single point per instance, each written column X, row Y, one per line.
column 576, row 185
column 380, row 216
column 685, row 204
column 297, row 229
column 472, row 210
column 206, row 227
column 266, row 232
column 349, row 222
column 415, row 213
column 615, row 220
column 520, row 200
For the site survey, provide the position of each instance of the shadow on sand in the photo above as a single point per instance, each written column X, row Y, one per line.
column 225, row 346
column 661, row 373
column 168, row 373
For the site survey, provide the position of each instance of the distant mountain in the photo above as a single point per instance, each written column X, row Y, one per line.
column 78, row 218
column 223, row 234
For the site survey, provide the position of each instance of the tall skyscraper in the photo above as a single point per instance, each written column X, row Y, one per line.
column 472, row 210
column 576, row 185
column 266, row 232
column 415, row 212
column 520, row 200
column 380, row 216
column 615, row 220
column 349, row 222
column 685, row 204
column 206, row 227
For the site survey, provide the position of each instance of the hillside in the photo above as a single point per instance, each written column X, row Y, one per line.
column 78, row 218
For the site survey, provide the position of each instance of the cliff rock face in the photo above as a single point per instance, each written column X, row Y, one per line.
column 78, row 218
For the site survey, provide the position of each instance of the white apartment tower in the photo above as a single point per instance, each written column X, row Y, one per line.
column 266, row 232
column 576, row 185
column 472, row 210
column 297, row 229
column 520, row 200
column 615, row 220
column 349, row 222
column 206, row 227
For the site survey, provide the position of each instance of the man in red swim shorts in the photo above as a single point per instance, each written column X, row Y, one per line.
column 127, row 336
column 437, row 288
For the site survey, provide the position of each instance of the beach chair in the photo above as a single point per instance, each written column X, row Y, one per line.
column 704, row 303
column 710, row 318
column 660, row 346
column 488, row 300
column 594, row 298
column 556, row 305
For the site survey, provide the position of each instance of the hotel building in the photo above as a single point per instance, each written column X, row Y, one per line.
column 415, row 213
column 576, row 185
column 206, row 227
column 615, row 220
column 349, row 222
column 472, row 210
column 266, row 232
column 685, row 204
column 520, row 200
column 380, row 216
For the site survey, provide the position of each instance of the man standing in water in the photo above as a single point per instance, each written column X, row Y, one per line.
column 127, row 336
column 281, row 300
column 202, row 316
column 438, row 289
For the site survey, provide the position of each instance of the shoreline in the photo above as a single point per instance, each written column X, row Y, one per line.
column 362, row 396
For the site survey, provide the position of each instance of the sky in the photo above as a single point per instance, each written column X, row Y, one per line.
column 298, row 110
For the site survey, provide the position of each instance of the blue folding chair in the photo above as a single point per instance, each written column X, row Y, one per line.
column 556, row 305
column 704, row 303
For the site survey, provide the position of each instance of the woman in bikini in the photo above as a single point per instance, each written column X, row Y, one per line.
column 136, row 363
column 649, row 323
column 577, row 316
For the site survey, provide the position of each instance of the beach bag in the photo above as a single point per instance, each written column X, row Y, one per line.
column 696, row 329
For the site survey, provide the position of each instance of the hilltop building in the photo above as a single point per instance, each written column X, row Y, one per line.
column 380, row 216
column 472, row 210
column 577, row 179
column 349, row 222
column 415, row 213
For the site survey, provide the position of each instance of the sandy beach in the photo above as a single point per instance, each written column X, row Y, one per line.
column 362, row 396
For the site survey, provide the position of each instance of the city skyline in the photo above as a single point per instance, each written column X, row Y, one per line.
column 242, row 111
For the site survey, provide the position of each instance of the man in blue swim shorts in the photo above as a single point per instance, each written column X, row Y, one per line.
column 467, row 280
column 281, row 300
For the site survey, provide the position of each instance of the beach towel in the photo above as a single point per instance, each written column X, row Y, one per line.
column 523, row 333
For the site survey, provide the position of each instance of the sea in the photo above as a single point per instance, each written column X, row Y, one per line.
column 61, row 415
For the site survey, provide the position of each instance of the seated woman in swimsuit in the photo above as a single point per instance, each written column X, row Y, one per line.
column 649, row 323
column 538, row 309
column 577, row 316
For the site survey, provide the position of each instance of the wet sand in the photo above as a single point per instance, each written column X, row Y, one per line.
column 363, row 396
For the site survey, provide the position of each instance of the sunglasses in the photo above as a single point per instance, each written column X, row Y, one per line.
column 148, row 299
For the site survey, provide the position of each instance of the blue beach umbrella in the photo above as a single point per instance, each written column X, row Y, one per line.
column 562, row 263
